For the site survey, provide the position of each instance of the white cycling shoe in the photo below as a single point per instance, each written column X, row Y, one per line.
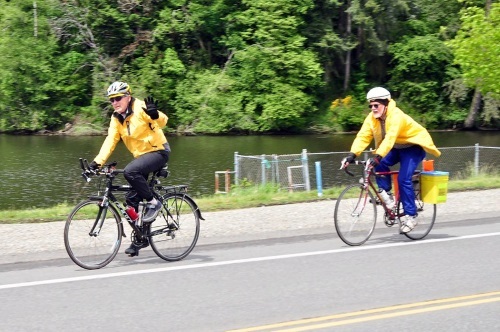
column 409, row 224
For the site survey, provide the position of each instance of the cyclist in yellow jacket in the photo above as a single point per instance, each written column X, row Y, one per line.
column 139, row 125
column 398, row 139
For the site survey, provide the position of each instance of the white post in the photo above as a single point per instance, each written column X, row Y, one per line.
column 305, row 168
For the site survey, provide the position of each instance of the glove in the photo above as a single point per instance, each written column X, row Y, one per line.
column 347, row 160
column 375, row 160
column 151, row 108
column 93, row 165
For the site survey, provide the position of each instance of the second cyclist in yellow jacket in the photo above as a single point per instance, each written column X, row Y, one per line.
column 398, row 139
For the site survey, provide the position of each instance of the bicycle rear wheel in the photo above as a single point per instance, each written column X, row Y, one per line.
column 175, row 231
column 355, row 215
column 426, row 218
column 90, row 243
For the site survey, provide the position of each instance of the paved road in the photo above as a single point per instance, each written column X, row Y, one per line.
column 44, row 241
column 448, row 282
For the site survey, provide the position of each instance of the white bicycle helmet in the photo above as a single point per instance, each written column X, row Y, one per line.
column 378, row 93
column 117, row 89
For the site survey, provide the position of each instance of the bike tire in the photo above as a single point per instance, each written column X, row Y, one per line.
column 426, row 218
column 174, row 233
column 92, row 251
column 355, row 215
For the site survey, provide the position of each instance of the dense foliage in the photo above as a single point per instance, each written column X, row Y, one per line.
column 250, row 66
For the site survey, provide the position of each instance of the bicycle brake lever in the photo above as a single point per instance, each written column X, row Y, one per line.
column 86, row 177
column 81, row 164
column 344, row 167
column 86, row 164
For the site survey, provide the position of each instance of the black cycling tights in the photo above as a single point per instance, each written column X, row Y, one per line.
column 137, row 171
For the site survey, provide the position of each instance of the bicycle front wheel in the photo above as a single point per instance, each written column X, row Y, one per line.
column 425, row 218
column 355, row 215
column 174, row 233
column 93, row 234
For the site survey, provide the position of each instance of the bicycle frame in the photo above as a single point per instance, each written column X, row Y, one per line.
column 368, row 184
column 109, row 198
column 369, row 174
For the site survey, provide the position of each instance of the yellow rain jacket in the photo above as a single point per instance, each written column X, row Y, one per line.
column 399, row 129
column 138, row 131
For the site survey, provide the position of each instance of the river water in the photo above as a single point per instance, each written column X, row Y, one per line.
column 42, row 171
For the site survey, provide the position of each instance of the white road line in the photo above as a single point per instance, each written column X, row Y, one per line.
column 241, row 261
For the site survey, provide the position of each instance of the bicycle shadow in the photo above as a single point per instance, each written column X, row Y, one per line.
column 148, row 257
column 395, row 237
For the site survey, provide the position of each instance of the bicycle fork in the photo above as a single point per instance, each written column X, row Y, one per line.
column 361, row 203
column 101, row 215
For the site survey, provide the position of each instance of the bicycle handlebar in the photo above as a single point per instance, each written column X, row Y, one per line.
column 355, row 162
column 107, row 169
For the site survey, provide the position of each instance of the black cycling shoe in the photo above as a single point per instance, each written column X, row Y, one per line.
column 133, row 250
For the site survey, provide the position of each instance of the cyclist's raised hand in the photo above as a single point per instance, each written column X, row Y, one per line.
column 151, row 108
column 347, row 160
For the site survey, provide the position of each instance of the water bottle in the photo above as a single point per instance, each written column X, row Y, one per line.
column 389, row 202
column 132, row 213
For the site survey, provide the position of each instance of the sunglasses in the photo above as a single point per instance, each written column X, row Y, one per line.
column 373, row 105
column 115, row 99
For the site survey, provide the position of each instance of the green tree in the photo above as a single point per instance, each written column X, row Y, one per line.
column 477, row 50
column 246, row 66
column 418, row 77
column 276, row 75
column 35, row 89
column 206, row 102
column 116, row 37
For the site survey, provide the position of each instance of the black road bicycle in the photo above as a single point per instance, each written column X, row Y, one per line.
column 94, row 229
